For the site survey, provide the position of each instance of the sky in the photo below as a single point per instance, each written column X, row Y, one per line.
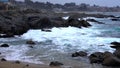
column 109, row 3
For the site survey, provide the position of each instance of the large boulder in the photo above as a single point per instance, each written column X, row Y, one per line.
column 96, row 57
column 110, row 60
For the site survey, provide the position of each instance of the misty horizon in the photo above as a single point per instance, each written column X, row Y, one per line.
column 109, row 3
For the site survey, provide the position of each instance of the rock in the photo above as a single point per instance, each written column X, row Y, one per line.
column 116, row 45
column 55, row 63
column 93, row 20
column 96, row 57
column 27, row 65
column 30, row 42
column 31, row 46
column 4, row 45
column 110, row 60
column 77, row 23
column 3, row 59
column 84, row 23
column 73, row 22
column 81, row 53
column 17, row 62
column 115, row 19
column 41, row 23
column 117, row 53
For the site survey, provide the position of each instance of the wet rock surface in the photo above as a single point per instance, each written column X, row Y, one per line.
column 30, row 42
column 55, row 63
column 107, row 58
column 80, row 53
column 3, row 59
column 19, row 22
column 4, row 45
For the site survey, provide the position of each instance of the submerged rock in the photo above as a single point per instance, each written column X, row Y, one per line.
column 115, row 19
column 93, row 20
column 30, row 42
column 77, row 54
column 4, row 45
column 55, row 63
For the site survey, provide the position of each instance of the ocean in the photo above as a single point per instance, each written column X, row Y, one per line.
column 60, row 43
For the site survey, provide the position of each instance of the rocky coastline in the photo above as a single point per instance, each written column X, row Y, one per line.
column 19, row 22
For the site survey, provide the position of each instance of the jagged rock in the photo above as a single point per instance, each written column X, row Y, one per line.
column 77, row 23
column 55, row 63
column 4, row 45
column 81, row 53
column 96, row 57
column 84, row 23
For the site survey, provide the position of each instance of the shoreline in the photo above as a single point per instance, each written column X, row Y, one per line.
column 18, row 64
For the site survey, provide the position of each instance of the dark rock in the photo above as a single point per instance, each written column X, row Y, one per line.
column 96, row 57
column 4, row 45
column 27, row 65
column 41, row 23
column 116, row 45
column 31, row 46
column 17, row 62
column 56, row 63
column 84, row 23
column 117, row 52
column 3, row 59
column 30, row 42
column 81, row 53
column 115, row 19
column 110, row 60
column 93, row 20
column 77, row 23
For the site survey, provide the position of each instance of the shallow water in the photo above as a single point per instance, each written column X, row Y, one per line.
column 59, row 44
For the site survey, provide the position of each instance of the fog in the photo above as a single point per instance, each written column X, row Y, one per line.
column 91, row 2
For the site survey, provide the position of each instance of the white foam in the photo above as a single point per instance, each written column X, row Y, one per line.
column 17, row 52
column 66, row 18
column 82, row 39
